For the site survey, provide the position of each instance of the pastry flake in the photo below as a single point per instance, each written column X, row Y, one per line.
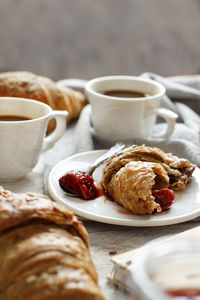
column 44, row 251
column 178, row 169
column 131, row 176
column 132, row 186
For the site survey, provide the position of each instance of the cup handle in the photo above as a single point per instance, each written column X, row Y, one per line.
column 59, row 130
column 170, row 118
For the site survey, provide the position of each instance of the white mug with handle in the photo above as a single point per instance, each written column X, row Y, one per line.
column 23, row 125
column 116, row 116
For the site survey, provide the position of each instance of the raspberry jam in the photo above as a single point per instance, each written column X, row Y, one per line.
column 164, row 197
column 184, row 294
column 80, row 184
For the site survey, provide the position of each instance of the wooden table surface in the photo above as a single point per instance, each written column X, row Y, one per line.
column 105, row 238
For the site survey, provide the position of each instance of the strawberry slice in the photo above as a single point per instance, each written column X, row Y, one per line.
column 80, row 184
column 164, row 197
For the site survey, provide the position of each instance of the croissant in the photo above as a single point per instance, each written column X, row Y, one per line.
column 28, row 85
column 44, row 251
column 142, row 179
column 178, row 169
column 132, row 186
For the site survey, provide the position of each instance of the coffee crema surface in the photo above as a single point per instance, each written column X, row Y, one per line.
column 13, row 118
column 125, row 94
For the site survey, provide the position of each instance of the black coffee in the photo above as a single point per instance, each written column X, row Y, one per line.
column 13, row 118
column 125, row 94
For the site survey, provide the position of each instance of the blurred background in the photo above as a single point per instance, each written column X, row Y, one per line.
column 89, row 38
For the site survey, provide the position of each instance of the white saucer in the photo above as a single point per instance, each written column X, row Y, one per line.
column 185, row 207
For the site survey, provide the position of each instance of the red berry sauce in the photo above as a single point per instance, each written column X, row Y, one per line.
column 80, row 184
column 184, row 294
column 164, row 197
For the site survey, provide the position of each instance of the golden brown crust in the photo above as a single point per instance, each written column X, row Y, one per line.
column 28, row 85
column 44, row 251
column 130, row 176
column 178, row 169
column 131, row 186
column 43, row 256
column 17, row 209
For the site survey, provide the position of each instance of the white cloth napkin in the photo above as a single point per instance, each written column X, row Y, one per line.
column 183, row 97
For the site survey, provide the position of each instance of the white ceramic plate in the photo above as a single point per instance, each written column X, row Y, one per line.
column 186, row 205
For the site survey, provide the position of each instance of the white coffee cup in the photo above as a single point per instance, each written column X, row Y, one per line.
column 22, row 141
column 121, row 118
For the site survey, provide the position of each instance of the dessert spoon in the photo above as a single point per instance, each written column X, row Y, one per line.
column 91, row 168
column 101, row 159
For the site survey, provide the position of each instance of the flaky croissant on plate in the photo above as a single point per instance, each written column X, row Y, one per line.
column 28, row 85
column 44, row 251
column 134, row 176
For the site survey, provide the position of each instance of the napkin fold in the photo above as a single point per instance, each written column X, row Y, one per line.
column 183, row 97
